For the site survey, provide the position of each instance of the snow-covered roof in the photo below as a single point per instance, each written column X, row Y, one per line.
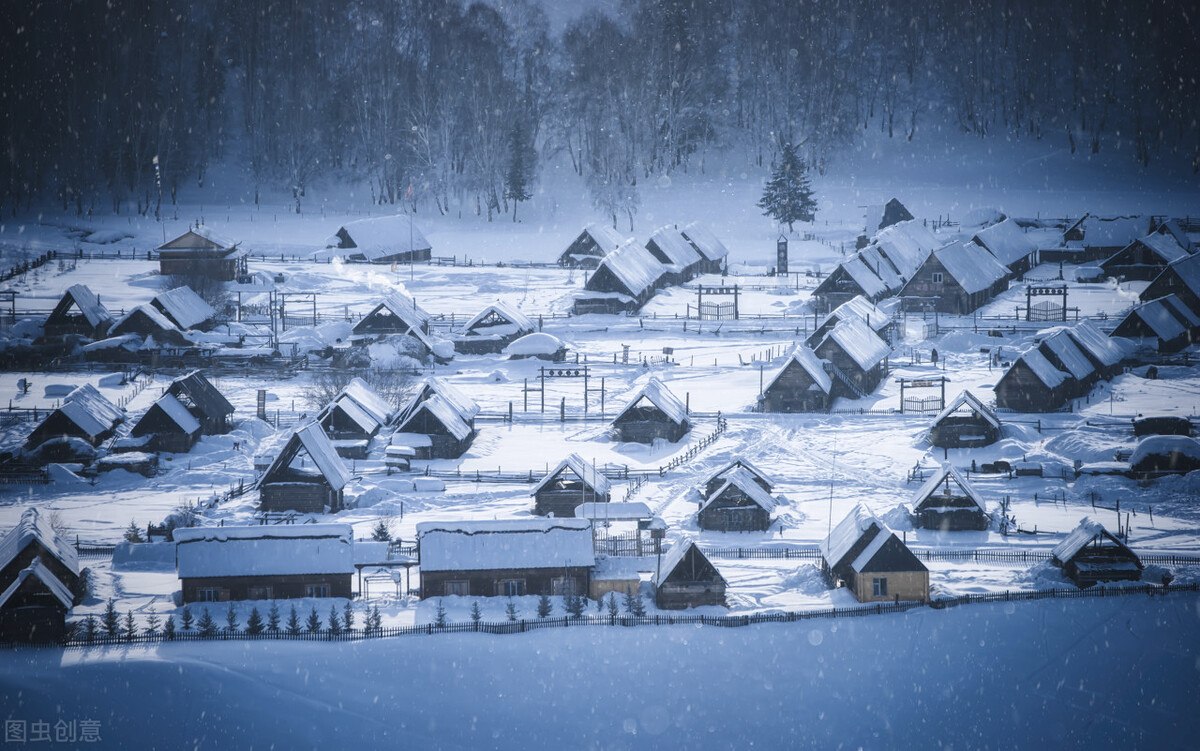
column 969, row 401
column 87, row 302
column 1114, row 233
column 537, row 343
column 200, row 391
column 876, row 261
column 1042, row 369
column 361, row 393
column 862, row 274
column 1069, row 354
column 1165, row 246
column 660, row 396
column 508, row 312
column 860, row 307
column 807, row 359
column 445, row 413
column 466, row 407
column 316, row 444
column 406, row 309
column 582, row 469
column 178, row 413
column 972, row 267
column 741, row 464
column 946, row 475
column 33, row 526
column 1188, row 272
column 606, row 237
column 379, row 237
column 614, row 512
column 847, row 532
column 204, row 232
column 130, row 342
column 675, row 247
column 184, row 307
column 743, row 480
column 906, row 245
column 674, row 557
column 151, row 312
column 90, row 411
column 858, row 341
column 505, row 544
column 1006, row 241
column 634, row 266
column 38, row 570
column 1107, row 350
column 1163, row 319
column 353, row 412
column 1165, row 445
column 264, row 550
column 876, row 544
column 1087, row 531
column 703, row 240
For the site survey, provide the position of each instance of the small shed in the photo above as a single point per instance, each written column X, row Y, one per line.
column 184, row 308
column 624, row 281
column 1033, row 384
column 653, row 413
column 591, row 245
column 34, row 607
column 708, row 245
column 381, row 240
column 167, row 426
column 680, row 259
column 78, row 312
column 858, row 358
column 357, row 412
column 687, row 579
column 492, row 329
column 1007, row 242
column 958, row 279
column 204, row 401
column 801, row 385
column 1164, row 323
column 84, row 413
column 740, row 504
column 872, row 561
column 202, row 252
column 450, row 434
column 947, row 502
column 1160, row 455
column 605, row 514
column 1162, row 425
column 538, row 345
column 1145, row 258
column 615, row 574
column 466, row 407
column 264, row 562
column 571, row 483
column 966, row 422
column 306, row 476
column 505, row 558
column 1091, row 554
column 718, row 478
column 394, row 314
column 1181, row 278
column 33, row 539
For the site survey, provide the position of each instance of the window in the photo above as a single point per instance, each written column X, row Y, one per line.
column 564, row 585
column 937, row 277
column 460, row 587
column 258, row 593
column 512, row 587
column 208, row 594
column 879, row 587
column 316, row 590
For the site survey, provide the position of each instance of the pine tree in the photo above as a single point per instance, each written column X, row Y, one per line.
column 613, row 609
column 231, row 619
column 476, row 613
column 153, row 622
column 639, row 608
column 788, row 197
column 187, row 619
column 575, row 605
column 133, row 533
column 544, row 607
column 511, row 610
column 273, row 618
column 254, row 624
column 376, row 620
column 335, row 623
column 89, row 628
column 207, row 625
column 313, row 624
column 348, row 616
column 439, row 618
column 627, row 601
column 600, row 604
column 381, row 532
column 169, row 627
column 293, row 622
column 111, row 621
column 521, row 162
column 130, row 626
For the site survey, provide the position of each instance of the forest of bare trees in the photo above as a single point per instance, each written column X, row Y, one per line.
column 464, row 102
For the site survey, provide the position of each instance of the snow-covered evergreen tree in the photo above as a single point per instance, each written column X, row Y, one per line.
column 521, row 162
column 133, row 533
column 231, row 619
column 169, row 627
column 544, row 606
column 335, row 622
column 111, row 621
column 476, row 613
column 293, row 622
column 382, row 531
column 130, row 628
column 90, row 628
column 348, row 616
column 510, row 610
column 439, row 618
column 613, row 609
column 273, row 618
column 207, row 625
column 788, row 197
column 313, row 624
column 153, row 622
column 187, row 618
column 254, row 624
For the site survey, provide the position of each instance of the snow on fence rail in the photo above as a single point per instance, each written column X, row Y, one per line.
column 524, row 625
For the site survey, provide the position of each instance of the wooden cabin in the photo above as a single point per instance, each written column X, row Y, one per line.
column 1180, row 278
column 465, row 406
column 871, row 561
column 32, row 540
column 687, row 579
column 965, row 422
column 84, row 413
column 306, row 476
column 146, row 321
column 1144, row 258
column 449, row 434
column 1160, row 455
column 34, row 607
column 878, row 269
column 882, row 216
column 624, row 281
column 717, row 479
column 1091, row 554
column 1104, row 352
column 618, row 575
column 653, row 413
column 202, row 252
column 1165, row 324
column 1009, row 245
column 1097, row 238
column 947, row 502
column 958, row 279
column 801, row 385
column 1032, row 384
column 356, row 413
column 740, row 504
column 1065, row 355
column 394, row 314
column 79, row 313
column 852, row 278
column 167, row 426
column 573, row 482
column 590, row 246
column 713, row 252
column 204, row 401
column 184, row 308
column 493, row 329
column 264, row 562
column 380, row 240
column 679, row 258
column 505, row 558
column 857, row 307
column 857, row 357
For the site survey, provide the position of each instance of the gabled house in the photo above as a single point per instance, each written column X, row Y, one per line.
column 856, row 307
column 740, row 504
column 1065, row 355
column 966, row 422
column 1165, row 324
column 591, row 245
column 882, row 216
column 33, row 539
column 1091, row 554
column 492, row 329
column 1009, row 245
column 957, row 278
column 572, row 483
column 202, row 252
column 1105, row 353
column 1033, row 384
column 625, row 280
column 147, row 322
column 905, row 246
column 1145, row 258
column 351, row 422
column 204, row 401
column 687, row 579
column 1180, row 278
column 394, row 314
column 871, row 561
column 947, row 502
column 718, row 478
column 264, row 562
column 166, row 426
column 84, row 413
column 505, row 558
column 678, row 257
column 34, row 607
column 852, row 278
column 184, row 308
column 449, row 434
column 466, row 407
column 708, row 245
column 879, row 269
column 1098, row 238
column 78, row 312
column 306, row 476
column 653, row 413
column 857, row 358
column 383, row 240
column 801, row 385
